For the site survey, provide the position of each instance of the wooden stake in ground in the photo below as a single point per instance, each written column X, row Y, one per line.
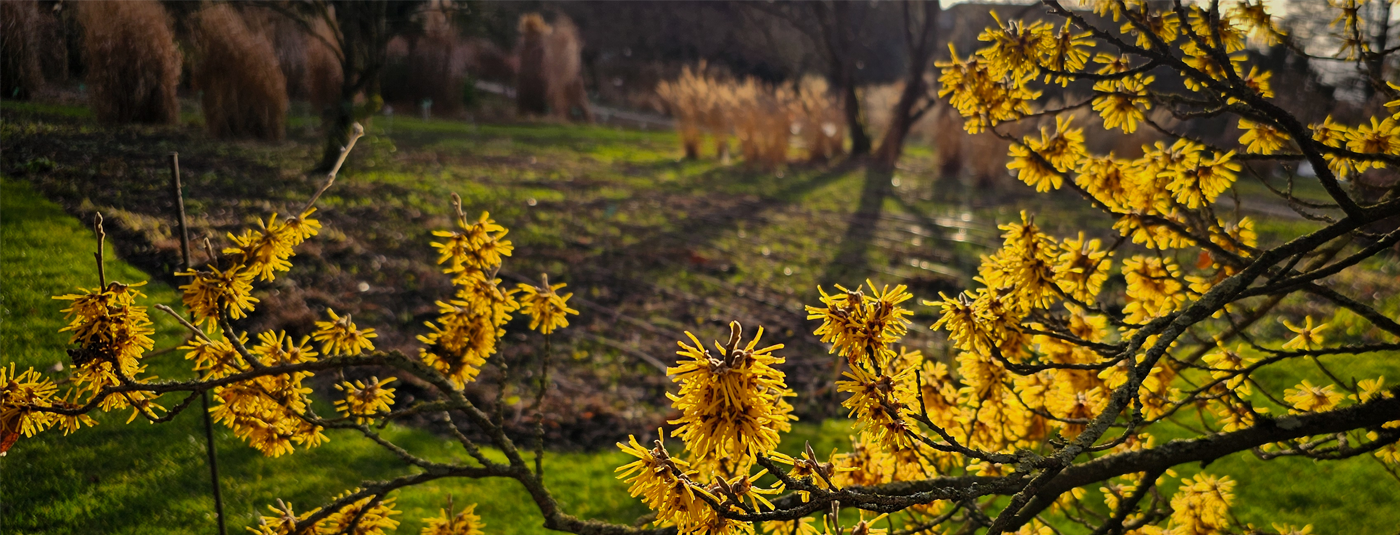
column 185, row 266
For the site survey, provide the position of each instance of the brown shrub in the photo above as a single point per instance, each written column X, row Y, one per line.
column 323, row 70
column 531, row 82
column 817, row 119
column 429, row 66
column 307, row 58
column 690, row 99
column 21, row 73
column 762, row 118
column 564, row 71
column 133, row 66
column 762, row 123
column 245, row 92
column 487, row 61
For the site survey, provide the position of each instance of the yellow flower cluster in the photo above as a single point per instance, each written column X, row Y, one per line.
column 365, row 518
column 265, row 252
column 476, row 246
column 469, row 325
column 1202, row 505
column 365, row 400
column 664, row 484
column 731, row 402
column 547, row 309
column 340, row 336
column 227, row 293
column 466, row 522
column 112, row 332
column 23, row 397
column 266, row 412
column 862, row 327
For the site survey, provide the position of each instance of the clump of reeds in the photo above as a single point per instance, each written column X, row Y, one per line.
column 323, row 70
column 20, row 48
column 133, row 66
column 763, row 119
column 762, row 123
column 690, row 99
column 531, row 82
column 244, row 90
column 564, row 71
column 817, row 119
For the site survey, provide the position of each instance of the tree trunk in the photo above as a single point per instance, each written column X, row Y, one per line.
column 901, row 120
column 364, row 39
column 860, row 140
column 920, row 43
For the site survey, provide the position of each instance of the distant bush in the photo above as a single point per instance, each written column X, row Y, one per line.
column 763, row 119
column 563, row 70
column 244, row 90
column 132, row 63
column 431, row 66
column 531, row 85
column 19, row 47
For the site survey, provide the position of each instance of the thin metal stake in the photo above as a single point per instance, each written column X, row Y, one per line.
column 208, row 422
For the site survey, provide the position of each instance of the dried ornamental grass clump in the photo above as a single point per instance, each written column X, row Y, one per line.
column 244, row 89
column 531, row 80
column 564, row 71
column 21, row 49
column 763, row 119
column 133, row 65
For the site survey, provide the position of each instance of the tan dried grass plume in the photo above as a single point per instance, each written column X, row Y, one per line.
column 21, row 47
column 132, row 62
column 531, row 82
column 244, row 90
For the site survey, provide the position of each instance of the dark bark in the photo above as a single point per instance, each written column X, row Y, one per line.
column 363, row 35
column 920, row 21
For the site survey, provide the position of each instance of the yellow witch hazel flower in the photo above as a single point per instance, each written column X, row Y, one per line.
column 267, row 251
column 1061, row 150
column 1016, row 47
column 1308, row 398
column 448, row 522
column 460, row 341
column 209, row 293
column 374, row 520
column 663, row 483
column 1308, row 335
column 1082, row 268
column 283, row 520
column 1121, row 102
column 1153, row 288
column 860, row 326
column 877, row 404
column 479, row 245
column 731, row 404
column 108, row 326
column 340, row 336
column 1202, row 505
column 363, row 400
column 1379, row 137
column 1199, row 181
column 23, row 397
column 1260, row 138
column 215, row 358
column 547, row 309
